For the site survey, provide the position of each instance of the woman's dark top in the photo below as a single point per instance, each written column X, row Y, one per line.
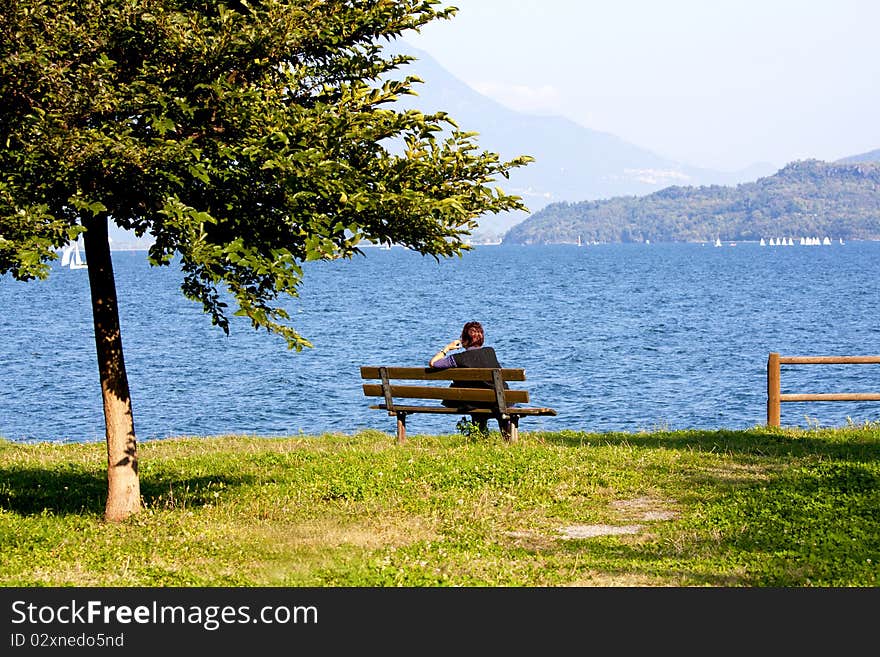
column 479, row 357
column 476, row 357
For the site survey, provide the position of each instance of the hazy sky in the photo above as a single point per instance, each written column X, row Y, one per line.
column 714, row 83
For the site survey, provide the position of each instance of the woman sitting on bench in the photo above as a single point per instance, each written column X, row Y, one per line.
column 474, row 355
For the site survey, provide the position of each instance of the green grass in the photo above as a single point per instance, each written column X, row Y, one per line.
column 756, row 508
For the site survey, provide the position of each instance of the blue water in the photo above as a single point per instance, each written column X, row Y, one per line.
column 615, row 337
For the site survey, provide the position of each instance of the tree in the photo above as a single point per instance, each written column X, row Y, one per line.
column 244, row 137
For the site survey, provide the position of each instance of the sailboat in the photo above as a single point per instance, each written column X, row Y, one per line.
column 72, row 256
column 717, row 241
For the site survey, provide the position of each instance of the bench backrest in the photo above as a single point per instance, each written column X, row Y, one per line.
column 487, row 384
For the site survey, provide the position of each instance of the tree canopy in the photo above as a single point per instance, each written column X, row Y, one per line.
column 243, row 137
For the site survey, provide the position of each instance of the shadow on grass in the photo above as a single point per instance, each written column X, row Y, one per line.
column 815, row 524
column 833, row 443
column 35, row 491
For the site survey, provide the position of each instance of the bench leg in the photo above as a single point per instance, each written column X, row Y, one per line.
column 510, row 428
column 504, row 427
column 401, row 428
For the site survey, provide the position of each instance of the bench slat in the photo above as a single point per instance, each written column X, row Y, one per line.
column 477, row 411
column 452, row 373
column 451, row 394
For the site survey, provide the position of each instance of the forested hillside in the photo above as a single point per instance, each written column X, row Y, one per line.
column 804, row 199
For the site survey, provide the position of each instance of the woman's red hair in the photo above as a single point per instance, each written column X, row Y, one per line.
column 472, row 335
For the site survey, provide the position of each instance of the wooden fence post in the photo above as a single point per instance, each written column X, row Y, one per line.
column 773, row 391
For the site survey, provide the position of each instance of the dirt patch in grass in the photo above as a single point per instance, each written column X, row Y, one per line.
column 641, row 509
column 631, row 512
column 530, row 540
column 589, row 531
column 644, row 508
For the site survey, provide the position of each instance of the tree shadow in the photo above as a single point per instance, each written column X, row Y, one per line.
column 35, row 491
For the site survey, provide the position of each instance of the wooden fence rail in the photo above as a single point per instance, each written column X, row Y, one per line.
column 774, row 386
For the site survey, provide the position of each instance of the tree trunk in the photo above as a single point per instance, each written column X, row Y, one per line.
column 123, row 484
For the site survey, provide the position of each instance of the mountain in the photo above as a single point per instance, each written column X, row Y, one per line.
column 870, row 156
column 808, row 198
column 572, row 163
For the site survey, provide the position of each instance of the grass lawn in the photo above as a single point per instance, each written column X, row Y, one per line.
column 756, row 508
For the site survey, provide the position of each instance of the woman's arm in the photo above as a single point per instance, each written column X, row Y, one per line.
column 455, row 344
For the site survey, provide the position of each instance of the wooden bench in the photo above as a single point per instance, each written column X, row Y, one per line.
column 482, row 388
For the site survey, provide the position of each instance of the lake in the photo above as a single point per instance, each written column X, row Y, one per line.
column 616, row 337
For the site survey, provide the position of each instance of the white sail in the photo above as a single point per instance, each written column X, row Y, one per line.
column 72, row 256
column 78, row 262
